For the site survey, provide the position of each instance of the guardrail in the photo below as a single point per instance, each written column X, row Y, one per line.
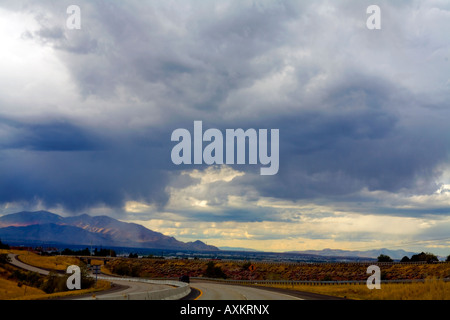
column 308, row 282
column 181, row 290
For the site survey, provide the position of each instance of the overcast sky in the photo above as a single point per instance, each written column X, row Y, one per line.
column 86, row 117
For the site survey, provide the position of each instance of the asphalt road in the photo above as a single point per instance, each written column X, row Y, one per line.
column 22, row 265
column 205, row 290
column 125, row 287
column 120, row 286
column 217, row 291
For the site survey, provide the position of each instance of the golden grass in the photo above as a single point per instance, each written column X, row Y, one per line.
column 97, row 262
column 104, row 269
column 12, row 251
column 100, row 286
column 431, row 289
column 57, row 263
column 10, row 290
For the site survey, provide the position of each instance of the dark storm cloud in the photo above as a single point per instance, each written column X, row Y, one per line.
column 61, row 164
column 53, row 136
column 348, row 119
column 338, row 151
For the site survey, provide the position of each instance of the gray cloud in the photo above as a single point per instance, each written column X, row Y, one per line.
column 352, row 106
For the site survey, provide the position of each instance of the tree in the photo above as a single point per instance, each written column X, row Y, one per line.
column 448, row 258
column 384, row 258
column 405, row 259
column 428, row 257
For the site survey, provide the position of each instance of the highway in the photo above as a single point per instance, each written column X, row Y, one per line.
column 217, row 291
column 121, row 286
column 125, row 288
column 206, row 290
column 20, row 264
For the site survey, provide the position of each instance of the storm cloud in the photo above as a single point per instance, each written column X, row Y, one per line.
column 86, row 115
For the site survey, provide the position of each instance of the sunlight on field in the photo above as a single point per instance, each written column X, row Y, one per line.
column 428, row 290
column 96, row 262
column 100, row 286
column 11, row 290
column 433, row 288
column 12, row 251
column 58, row 263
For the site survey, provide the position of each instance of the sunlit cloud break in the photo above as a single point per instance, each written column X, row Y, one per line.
column 357, row 99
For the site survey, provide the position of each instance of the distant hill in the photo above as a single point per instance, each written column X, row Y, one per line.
column 237, row 249
column 84, row 229
column 26, row 218
column 394, row 254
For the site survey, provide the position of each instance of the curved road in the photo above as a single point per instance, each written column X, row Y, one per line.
column 20, row 264
column 125, row 287
column 208, row 290
column 218, row 291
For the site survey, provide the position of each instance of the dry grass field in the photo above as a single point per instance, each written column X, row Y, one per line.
column 100, row 286
column 57, row 263
column 431, row 289
column 239, row 270
column 13, row 289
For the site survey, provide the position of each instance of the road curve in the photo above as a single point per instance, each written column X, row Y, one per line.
column 14, row 261
column 126, row 287
column 209, row 290
column 218, row 291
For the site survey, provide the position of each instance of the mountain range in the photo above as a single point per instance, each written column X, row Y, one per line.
column 47, row 227
column 394, row 254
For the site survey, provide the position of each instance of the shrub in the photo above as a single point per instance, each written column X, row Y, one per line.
column 126, row 269
column 213, row 271
column 29, row 278
column 4, row 258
